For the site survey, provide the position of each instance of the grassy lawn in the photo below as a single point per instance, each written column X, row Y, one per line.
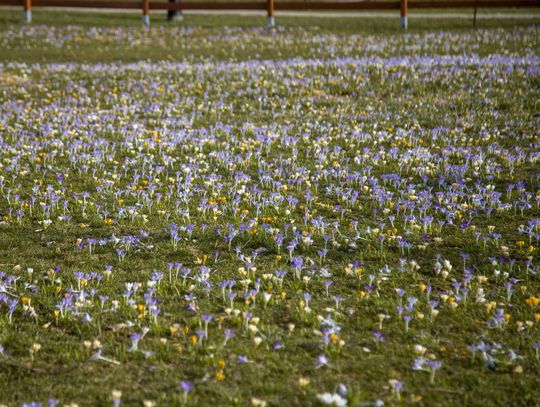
column 214, row 213
column 200, row 37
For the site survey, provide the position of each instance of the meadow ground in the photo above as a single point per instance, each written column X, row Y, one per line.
column 213, row 213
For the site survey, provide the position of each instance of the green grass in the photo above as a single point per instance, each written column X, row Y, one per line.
column 199, row 100
column 195, row 46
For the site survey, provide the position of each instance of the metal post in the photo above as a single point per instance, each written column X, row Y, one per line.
column 404, row 12
column 146, row 13
column 270, row 21
column 474, row 16
column 27, row 11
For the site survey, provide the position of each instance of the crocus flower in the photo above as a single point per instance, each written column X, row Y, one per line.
column 322, row 361
column 434, row 365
